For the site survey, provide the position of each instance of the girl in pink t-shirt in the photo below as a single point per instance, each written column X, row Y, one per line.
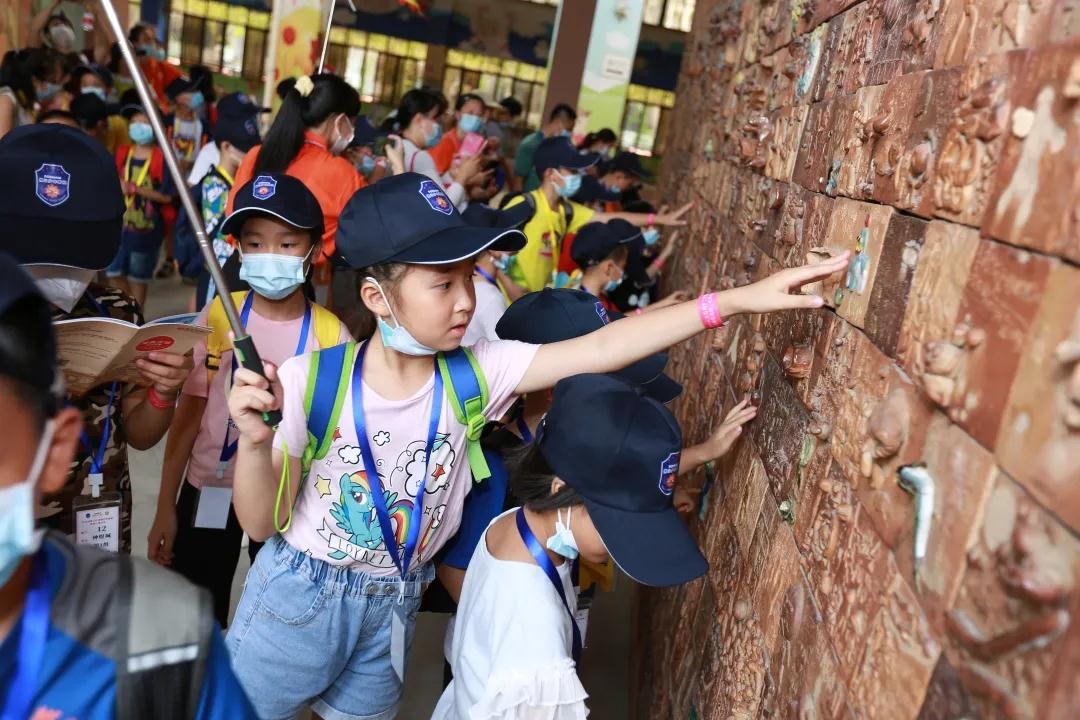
column 329, row 607
column 196, row 532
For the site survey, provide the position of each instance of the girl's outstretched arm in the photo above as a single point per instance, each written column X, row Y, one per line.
column 633, row 338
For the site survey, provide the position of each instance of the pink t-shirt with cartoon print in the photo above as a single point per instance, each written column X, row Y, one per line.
column 334, row 518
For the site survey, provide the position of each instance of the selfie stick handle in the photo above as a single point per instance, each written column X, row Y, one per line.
column 244, row 347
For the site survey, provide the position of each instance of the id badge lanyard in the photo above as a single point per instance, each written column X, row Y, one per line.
column 403, row 558
column 32, row 637
column 541, row 557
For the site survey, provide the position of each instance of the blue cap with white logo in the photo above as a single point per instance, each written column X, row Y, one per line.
column 60, row 198
column 619, row 450
column 551, row 316
column 277, row 195
column 408, row 218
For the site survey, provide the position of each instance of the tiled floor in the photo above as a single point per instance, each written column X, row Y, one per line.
column 605, row 668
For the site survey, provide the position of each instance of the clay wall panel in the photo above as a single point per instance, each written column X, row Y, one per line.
column 897, row 534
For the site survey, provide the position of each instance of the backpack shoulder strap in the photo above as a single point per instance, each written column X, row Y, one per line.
column 327, row 327
column 165, row 628
column 467, row 388
column 217, row 342
column 327, row 385
column 568, row 208
column 157, row 166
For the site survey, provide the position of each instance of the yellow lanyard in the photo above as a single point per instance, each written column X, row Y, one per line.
column 128, row 199
column 226, row 175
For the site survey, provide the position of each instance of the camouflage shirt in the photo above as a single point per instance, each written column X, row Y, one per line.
column 56, row 511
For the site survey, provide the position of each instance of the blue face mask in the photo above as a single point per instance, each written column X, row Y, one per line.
column 563, row 541
column 614, row 188
column 48, row 92
column 432, row 138
column 471, row 123
column 273, row 276
column 141, row 133
column 571, row 184
column 196, row 101
column 17, row 535
column 651, row 236
column 564, row 133
column 366, row 165
column 398, row 338
column 95, row 91
column 503, row 262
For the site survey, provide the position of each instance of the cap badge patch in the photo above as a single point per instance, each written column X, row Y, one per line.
column 668, row 470
column 602, row 312
column 436, row 198
column 264, row 187
column 52, row 184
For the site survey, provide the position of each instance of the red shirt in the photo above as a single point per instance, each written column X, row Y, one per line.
column 331, row 179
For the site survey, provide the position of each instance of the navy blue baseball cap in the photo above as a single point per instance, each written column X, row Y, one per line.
column 592, row 190
column 276, row 194
column 558, row 152
column 239, row 131
column 593, row 244
column 364, row 133
column 60, row 198
column 89, row 109
column 237, row 104
column 628, row 163
column 179, row 86
column 486, row 216
column 16, row 285
column 408, row 218
column 554, row 315
column 620, row 451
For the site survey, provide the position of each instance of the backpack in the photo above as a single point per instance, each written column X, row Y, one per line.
column 568, row 207
column 157, row 163
column 328, row 383
column 164, row 628
column 327, row 330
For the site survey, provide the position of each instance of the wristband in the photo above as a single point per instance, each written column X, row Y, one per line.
column 658, row 263
column 710, row 316
column 639, row 311
column 157, row 401
column 650, row 220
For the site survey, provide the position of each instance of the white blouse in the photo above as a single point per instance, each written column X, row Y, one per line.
column 511, row 649
column 420, row 161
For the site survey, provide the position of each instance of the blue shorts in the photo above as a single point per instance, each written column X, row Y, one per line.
column 139, row 266
column 310, row 633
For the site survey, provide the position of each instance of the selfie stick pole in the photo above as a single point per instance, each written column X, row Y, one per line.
column 326, row 35
column 243, row 345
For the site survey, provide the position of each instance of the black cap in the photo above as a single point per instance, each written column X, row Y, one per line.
column 240, row 132
column 179, row 86
column 99, row 70
column 276, row 194
column 625, row 230
column 592, row 190
column 89, row 109
column 557, row 152
column 238, row 104
column 483, row 215
column 628, row 163
column 127, row 111
column 551, row 316
column 593, row 244
column 60, row 198
column 364, row 133
column 408, row 218
column 620, row 451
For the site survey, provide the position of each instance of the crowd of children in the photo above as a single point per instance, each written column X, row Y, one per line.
column 467, row 350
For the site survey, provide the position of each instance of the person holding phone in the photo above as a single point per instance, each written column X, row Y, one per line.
column 467, row 138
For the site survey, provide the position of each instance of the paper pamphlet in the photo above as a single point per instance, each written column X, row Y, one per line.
column 93, row 351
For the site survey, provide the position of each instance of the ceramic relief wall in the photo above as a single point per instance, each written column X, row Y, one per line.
column 897, row 535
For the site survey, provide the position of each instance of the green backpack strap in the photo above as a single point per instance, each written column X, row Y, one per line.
column 465, row 384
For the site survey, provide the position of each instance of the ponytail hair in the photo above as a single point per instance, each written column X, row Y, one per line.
column 419, row 101
column 329, row 94
column 19, row 68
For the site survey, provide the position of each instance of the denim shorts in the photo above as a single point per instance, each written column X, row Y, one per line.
column 308, row 633
column 136, row 265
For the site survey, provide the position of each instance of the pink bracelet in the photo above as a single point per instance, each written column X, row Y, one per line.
column 658, row 263
column 710, row 316
column 650, row 219
column 157, row 401
column 639, row 311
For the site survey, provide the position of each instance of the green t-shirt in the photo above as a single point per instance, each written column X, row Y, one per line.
column 523, row 161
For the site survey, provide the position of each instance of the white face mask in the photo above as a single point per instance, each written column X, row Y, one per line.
column 17, row 535
column 62, row 37
column 61, row 285
column 339, row 146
